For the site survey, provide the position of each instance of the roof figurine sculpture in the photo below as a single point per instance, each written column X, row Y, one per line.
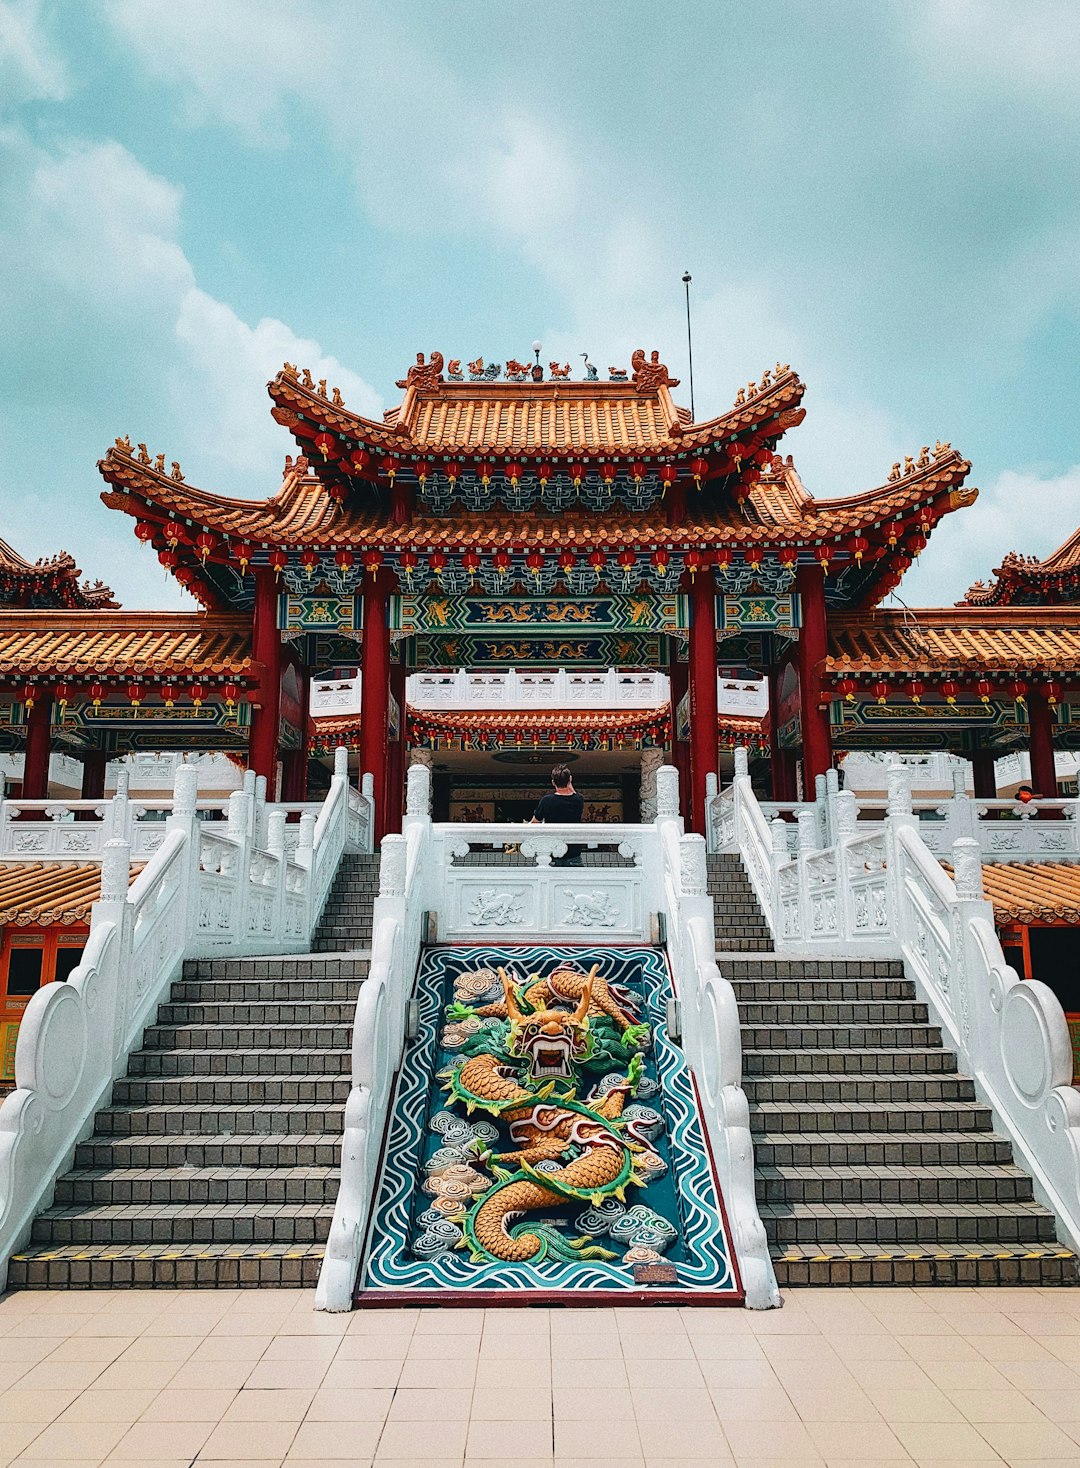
column 1029, row 581
column 51, row 583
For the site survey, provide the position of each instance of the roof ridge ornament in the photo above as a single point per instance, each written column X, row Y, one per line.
column 424, row 374
column 651, row 374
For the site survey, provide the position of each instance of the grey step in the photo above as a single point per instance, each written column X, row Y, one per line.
column 829, row 1149
column 184, row 1223
column 832, row 1012
column 248, row 1012
column 840, row 1037
column 931, row 1060
column 914, row 1223
column 118, row 1186
column 277, row 1062
column 827, row 991
column 868, row 1116
column 202, row 1266
column 928, row 1185
column 800, row 969
column 939, row 1264
column 248, row 1037
column 243, row 1090
column 194, row 1149
column 877, row 1088
column 280, row 991
column 119, row 1121
column 262, row 970
column 741, row 945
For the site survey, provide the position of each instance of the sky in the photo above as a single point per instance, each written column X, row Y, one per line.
column 885, row 195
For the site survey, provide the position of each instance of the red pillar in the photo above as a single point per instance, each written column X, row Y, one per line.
column 93, row 775
column 1041, row 745
column 983, row 774
column 266, row 652
column 35, row 780
column 812, row 650
column 375, row 692
column 679, row 674
column 395, row 765
column 704, row 716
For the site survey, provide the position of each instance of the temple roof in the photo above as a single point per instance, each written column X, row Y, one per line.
column 1033, row 892
column 35, row 893
column 51, row 583
column 1027, row 580
column 969, row 640
column 113, row 644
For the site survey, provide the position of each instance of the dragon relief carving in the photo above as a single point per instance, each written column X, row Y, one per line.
column 424, row 374
column 651, row 373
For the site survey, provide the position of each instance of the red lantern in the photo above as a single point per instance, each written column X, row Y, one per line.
column 577, row 474
column 627, row 560
column 567, row 560
column 338, row 492
column 694, row 562
column 787, row 556
column 949, row 689
column 388, row 466
column 437, row 562
column 324, row 442
column 984, row 688
column 501, row 561
column 859, row 545
column 607, row 473
column 63, row 696
column 847, row 687
column 637, row 471
column 485, row 471
column 372, row 561
column 27, row 696
column 754, row 556
column 724, row 557
column 659, row 559
column 135, row 694
column 309, row 559
column 668, row 476
column 243, row 554
column 1019, row 690
column 513, row 473
column 535, row 562
column 423, row 471
column 97, row 693
column 916, row 690
column 185, row 575
column 174, row 533
column 597, row 560
column 359, row 460
column 916, row 542
column 453, row 472
column 409, row 562
column 198, row 693
column 232, row 693
column 168, row 694
column 1024, row 795
column 204, row 544
column 343, row 559
column 471, row 561
column 881, row 691
column 699, row 468
column 144, row 530
column 544, row 472
column 1052, row 692
column 279, row 560
column 893, row 535
column 823, row 555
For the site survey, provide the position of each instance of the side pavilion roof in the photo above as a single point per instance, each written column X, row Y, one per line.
column 113, row 644
column 1027, row 580
column 958, row 640
column 48, row 583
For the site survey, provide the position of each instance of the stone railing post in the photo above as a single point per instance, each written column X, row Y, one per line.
column 967, row 869
column 742, row 762
column 418, row 791
column 651, row 760
column 275, row 845
column 120, row 809
column 112, row 907
column 667, row 793
column 693, row 868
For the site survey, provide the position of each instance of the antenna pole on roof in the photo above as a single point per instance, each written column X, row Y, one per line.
column 687, row 277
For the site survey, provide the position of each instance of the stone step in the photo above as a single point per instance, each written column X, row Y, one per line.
column 324, row 945
column 741, row 945
column 840, row 1063
column 185, row 1223
column 120, row 1121
column 298, row 1090
column 840, row 1037
column 928, row 1185
column 832, row 1012
column 828, row 991
column 249, row 1186
column 202, row 1266
column 313, row 1011
column 943, row 1264
column 907, row 1223
column 349, row 929
column 869, row 1116
column 248, row 1037
column 263, row 970
column 270, row 991
column 238, row 1062
column 875, row 1088
column 832, row 1149
column 195, row 1149
column 801, row 969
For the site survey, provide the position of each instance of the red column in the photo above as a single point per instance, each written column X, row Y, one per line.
column 1041, row 745
column 35, row 780
column 375, row 692
column 983, row 774
column 93, row 774
column 704, row 716
column 813, row 648
column 266, row 652
column 395, row 800
column 679, row 674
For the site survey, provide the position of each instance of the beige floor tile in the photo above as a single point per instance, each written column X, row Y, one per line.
column 422, row 1440
column 514, row 1403
column 335, row 1440
column 431, row 1404
column 1011, row 1348
column 1049, row 1375
column 726, row 1462
column 92, row 1348
column 585, row 1403
column 1056, row 1406
column 663, row 1373
column 753, row 1404
column 969, row 1376
column 785, row 1441
column 495, row 1373
column 354, row 1404
column 171, row 1405
column 131, row 1375
column 904, row 1375
column 997, row 1406
column 646, row 1320
column 211, row 1375
column 376, row 1348
column 1041, row 1323
column 738, row 1373
column 231, row 1348
column 591, row 1438
column 718, row 1347
column 492, row 1440
column 337, row 1462
column 433, row 1347
column 310, row 1322
column 506, row 1348
column 40, row 1324
column 252, row 1440
column 1063, row 1347
column 76, row 1375
column 682, row 1439
column 1028, row 1440
column 607, row 1372
column 372, row 1374
column 928, row 1349
column 796, row 1347
column 302, row 1348
column 420, row 1373
column 68, row 1440
column 933, row 1441
column 450, row 1320
column 836, row 1441
column 858, row 1348
column 661, row 1404
column 667, row 1347
column 27, row 1353
column 250, row 1323
column 15, row 1437
column 382, row 1322
column 832, row 1404
column 286, row 1405
column 629, row 1460
column 271, row 1375
column 920, row 1404
column 94, row 1405
column 24, row 1405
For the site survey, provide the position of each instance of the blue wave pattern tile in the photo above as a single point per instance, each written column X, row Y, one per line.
column 441, row 1157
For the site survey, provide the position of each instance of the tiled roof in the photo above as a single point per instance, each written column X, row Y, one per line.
column 1033, row 892
column 566, row 721
column 104, row 644
column 54, row 582
column 34, row 893
column 955, row 639
column 1028, row 579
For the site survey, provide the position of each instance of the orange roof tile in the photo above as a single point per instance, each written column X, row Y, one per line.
column 35, row 893
column 53, row 582
column 1029, row 579
column 955, row 640
column 1033, row 892
column 103, row 644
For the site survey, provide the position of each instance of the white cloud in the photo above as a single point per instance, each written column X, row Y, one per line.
column 30, row 70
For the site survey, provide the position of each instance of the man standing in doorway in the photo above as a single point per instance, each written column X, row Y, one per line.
column 561, row 806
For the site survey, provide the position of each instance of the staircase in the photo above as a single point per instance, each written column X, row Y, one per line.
column 875, row 1162
column 216, row 1165
column 738, row 922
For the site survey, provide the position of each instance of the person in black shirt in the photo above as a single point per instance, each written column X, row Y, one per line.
column 561, row 806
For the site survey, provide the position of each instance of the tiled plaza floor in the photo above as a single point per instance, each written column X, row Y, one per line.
column 838, row 1377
